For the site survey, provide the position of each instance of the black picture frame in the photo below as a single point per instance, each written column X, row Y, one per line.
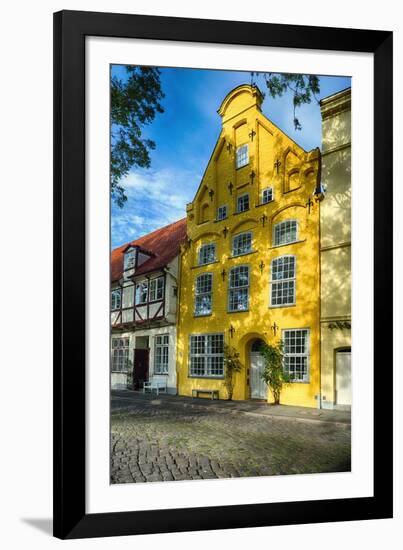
column 70, row 30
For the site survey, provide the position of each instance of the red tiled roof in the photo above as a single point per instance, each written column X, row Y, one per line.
column 163, row 243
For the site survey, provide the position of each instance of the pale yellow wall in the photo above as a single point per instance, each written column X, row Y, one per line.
column 335, row 222
column 336, row 282
column 241, row 114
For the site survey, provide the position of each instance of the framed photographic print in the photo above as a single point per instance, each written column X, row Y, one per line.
column 223, row 247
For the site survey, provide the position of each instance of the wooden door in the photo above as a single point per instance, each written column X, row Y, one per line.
column 140, row 367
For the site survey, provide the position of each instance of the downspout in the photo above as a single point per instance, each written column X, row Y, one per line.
column 319, row 196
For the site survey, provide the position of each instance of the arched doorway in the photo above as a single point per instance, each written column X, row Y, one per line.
column 258, row 387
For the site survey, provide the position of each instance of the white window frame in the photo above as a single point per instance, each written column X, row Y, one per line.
column 267, row 189
column 138, row 285
column 208, row 357
column 200, row 293
column 241, row 158
column 129, row 260
column 294, row 354
column 238, row 203
column 203, row 247
column 278, row 226
column 242, row 235
column 233, row 289
column 120, row 354
column 116, row 292
column 276, row 283
column 222, row 208
column 161, row 354
column 156, row 289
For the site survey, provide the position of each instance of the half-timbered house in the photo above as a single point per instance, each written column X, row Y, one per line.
column 144, row 288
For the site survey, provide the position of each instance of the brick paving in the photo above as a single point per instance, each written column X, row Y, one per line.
column 163, row 439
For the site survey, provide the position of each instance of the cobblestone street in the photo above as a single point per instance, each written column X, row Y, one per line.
column 155, row 439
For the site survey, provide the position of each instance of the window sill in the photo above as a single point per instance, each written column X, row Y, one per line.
column 243, row 166
column 204, row 265
column 286, row 244
column 201, row 377
column 238, row 311
column 195, row 315
column 282, row 305
column 160, row 374
column 243, row 254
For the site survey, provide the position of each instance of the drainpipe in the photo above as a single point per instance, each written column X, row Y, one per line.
column 319, row 197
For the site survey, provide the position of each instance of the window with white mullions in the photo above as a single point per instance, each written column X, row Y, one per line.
column 242, row 244
column 120, row 354
column 238, row 299
column 296, row 354
column 129, row 259
column 242, row 204
column 156, row 289
column 142, row 292
column 267, row 195
column 242, row 156
column 161, row 354
column 285, row 232
column 282, row 283
column 206, row 355
column 203, row 294
column 207, row 254
column 222, row 212
column 116, row 299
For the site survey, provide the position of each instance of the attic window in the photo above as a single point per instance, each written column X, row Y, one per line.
column 129, row 259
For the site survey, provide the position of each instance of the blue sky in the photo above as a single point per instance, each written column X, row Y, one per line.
column 185, row 135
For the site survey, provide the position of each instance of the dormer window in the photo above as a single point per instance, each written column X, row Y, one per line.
column 242, row 156
column 129, row 259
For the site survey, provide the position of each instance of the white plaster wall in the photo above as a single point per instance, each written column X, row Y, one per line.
column 151, row 333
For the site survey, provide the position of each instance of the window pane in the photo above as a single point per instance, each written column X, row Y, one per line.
column 120, row 354
column 141, row 292
column 239, row 276
column 283, row 281
column 296, row 353
column 129, row 259
column 207, row 254
column 267, row 195
column 161, row 354
column 221, row 212
column 285, row 232
column 206, row 355
column 242, row 156
column 242, row 244
column 116, row 299
column 243, row 203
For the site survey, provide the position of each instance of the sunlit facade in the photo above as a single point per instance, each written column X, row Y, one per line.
column 250, row 268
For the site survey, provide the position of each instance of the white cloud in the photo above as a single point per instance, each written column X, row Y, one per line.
column 154, row 198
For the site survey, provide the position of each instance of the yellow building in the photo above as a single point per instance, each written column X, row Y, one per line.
column 249, row 271
column 335, row 219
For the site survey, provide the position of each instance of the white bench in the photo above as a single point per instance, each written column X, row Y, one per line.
column 155, row 385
